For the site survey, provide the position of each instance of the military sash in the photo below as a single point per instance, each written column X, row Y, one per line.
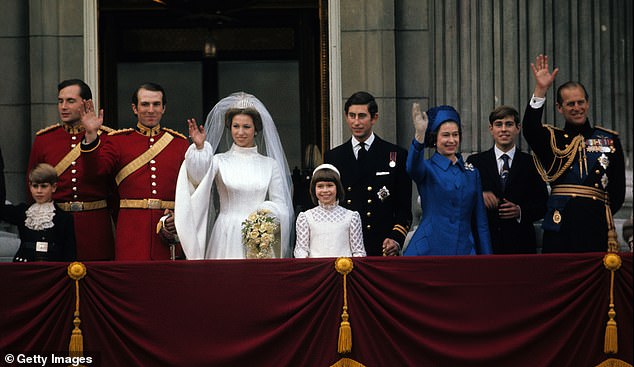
column 67, row 160
column 144, row 158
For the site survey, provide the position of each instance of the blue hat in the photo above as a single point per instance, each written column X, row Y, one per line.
column 438, row 115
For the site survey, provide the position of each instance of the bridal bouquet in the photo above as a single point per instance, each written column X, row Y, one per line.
column 259, row 232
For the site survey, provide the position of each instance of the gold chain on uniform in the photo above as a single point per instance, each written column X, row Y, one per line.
column 568, row 154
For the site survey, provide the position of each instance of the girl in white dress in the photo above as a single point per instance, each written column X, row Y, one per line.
column 244, row 179
column 328, row 230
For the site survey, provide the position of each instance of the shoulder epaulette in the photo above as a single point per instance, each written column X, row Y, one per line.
column 48, row 128
column 106, row 129
column 120, row 131
column 174, row 132
column 606, row 130
column 552, row 127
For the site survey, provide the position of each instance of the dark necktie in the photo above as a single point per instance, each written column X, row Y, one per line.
column 504, row 173
column 362, row 154
column 362, row 157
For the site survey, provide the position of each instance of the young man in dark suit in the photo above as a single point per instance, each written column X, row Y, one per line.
column 514, row 193
column 374, row 179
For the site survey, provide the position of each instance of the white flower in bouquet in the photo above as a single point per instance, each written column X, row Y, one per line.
column 259, row 232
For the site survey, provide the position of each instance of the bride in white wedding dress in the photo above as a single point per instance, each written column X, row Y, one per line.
column 244, row 179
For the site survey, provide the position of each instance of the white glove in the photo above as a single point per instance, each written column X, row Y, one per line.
column 420, row 121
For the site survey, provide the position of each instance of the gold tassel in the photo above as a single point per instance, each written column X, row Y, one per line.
column 344, row 266
column 76, row 271
column 345, row 334
column 611, row 344
column 612, row 262
column 76, row 346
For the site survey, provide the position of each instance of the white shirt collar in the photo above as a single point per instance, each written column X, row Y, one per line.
column 510, row 153
column 368, row 142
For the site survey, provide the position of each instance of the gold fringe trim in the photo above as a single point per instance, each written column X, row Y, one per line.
column 174, row 132
column 344, row 266
column 612, row 262
column 76, row 271
column 48, row 128
column 613, row 363
column 347, row 362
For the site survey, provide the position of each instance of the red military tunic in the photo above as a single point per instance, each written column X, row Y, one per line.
column 154, row 181
column 78, row 189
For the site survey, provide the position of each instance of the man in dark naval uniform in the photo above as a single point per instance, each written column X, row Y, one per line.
column 374, row 178
column 583, row 164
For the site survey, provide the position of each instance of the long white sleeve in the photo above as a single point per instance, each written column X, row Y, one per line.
column 356, row 236
column 197, row 162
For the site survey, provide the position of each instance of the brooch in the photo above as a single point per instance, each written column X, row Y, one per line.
column 468, row 166
column 383, row 193
column 604, row 161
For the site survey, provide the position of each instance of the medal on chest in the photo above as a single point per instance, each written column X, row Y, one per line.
column 392, row 163
column 600, row 145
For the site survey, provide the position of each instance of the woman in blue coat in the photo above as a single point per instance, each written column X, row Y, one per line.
column 454, row 220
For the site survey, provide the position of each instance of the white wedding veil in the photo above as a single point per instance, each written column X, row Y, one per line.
column 267, row 141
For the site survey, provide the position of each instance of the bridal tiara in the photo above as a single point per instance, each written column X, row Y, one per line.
column 244, row 101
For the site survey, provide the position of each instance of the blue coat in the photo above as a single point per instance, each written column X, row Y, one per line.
column 454, row 220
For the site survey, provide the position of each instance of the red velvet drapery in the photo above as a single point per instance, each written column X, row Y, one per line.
column 522, row 310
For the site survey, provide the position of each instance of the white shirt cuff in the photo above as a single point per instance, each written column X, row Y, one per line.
column 537, row 102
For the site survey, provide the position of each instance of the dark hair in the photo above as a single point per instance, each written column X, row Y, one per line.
column 433, row 136
column 503, row 111
column 363, row 98
column 326, row 175
column 84, row 89
column 249, row 111
column 151, row 87
column 43, row 173
column 570, row 84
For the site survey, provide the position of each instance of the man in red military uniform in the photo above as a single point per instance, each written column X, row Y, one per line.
column 80, row 192
column 145, row 162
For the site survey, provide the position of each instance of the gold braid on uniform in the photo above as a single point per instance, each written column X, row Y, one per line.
column 563, row 157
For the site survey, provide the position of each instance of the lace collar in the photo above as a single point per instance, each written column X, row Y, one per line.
column 40, row 216
column 329, row 206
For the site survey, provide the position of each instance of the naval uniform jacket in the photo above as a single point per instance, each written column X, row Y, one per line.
column 381, row 193
column 136, row 237
column 578, row 224
column 60, row 239
column 93, row 228
column 524, row 188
